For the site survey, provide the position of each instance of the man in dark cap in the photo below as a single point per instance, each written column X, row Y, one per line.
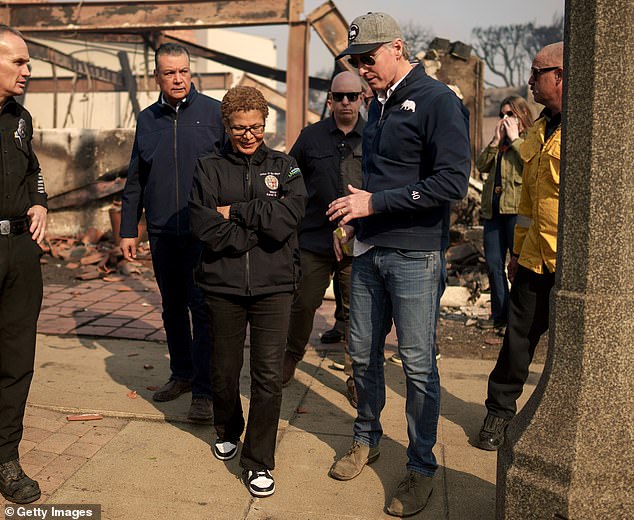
column 416, row 162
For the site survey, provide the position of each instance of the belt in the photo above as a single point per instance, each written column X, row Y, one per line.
column 14, row 226
column 498, row 189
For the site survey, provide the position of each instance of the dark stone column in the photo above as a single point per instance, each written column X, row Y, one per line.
column 570, row 451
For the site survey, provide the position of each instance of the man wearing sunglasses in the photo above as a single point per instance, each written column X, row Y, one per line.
column 531, row 269
column 416, row 162
column 329, row 155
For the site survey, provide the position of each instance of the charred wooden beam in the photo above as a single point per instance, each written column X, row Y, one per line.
column 206, row 81
column 296, row 75
column 238, row 63
column 129, row 82
column 274, row 98
column 113, row 16
column 85, row 194
column 45, row 53
column 330, row 25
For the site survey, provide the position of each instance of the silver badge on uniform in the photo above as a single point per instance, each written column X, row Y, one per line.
column 20, row 132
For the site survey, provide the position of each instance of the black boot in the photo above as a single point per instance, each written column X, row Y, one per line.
column 491, row 435
column 15, row 486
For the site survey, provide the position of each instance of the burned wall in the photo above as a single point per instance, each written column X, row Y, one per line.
column 82, row 172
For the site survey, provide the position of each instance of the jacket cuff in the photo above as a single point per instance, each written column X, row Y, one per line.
column 379, row 204
column 39, row 199
column 515, row 145
column 235, row 212
column 128, row 230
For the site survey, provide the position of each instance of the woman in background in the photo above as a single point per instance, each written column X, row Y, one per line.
column 245, row 206
column 500, row 199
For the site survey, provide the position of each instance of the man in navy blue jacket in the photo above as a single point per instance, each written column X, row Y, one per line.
column 171, row 135
column 415, row 163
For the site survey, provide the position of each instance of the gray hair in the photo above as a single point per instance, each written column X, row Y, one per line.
column 171, row 49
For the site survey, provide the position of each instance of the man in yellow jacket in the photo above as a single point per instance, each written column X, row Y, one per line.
column 532, row 266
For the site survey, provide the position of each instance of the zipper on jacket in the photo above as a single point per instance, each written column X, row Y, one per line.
column 248, row 197
column 176, row 169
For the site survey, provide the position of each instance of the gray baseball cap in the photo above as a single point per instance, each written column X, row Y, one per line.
column 370, row 30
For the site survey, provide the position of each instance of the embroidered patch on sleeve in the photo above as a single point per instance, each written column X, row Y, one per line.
column 294, row 172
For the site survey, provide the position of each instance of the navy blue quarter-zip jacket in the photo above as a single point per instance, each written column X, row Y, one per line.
column 255, row 251
column 167, row 144
column 416, row 162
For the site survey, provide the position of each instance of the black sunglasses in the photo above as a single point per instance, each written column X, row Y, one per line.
column 352, row 96
column 538, row 72
column 509, row 114
column 365, row 59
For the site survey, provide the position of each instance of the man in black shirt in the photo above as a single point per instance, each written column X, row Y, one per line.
column 22, row 226
column 329, row 155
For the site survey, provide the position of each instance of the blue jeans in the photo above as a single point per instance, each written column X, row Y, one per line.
column 405, row 286
column 190, row 346
column 498, row 240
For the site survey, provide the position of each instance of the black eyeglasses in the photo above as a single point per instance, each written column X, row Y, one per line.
column 239, row 131
column 366, row 59
column 538, row 72
column 352, row 96
column 508, row 114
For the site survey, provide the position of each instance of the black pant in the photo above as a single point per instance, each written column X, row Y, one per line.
column 267, row 317
column 20, row 301
column 174, row 258
column 528, row 319
column 316, row 273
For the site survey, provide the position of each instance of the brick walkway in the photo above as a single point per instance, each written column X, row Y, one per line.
column 129, row 309
column 53, row 448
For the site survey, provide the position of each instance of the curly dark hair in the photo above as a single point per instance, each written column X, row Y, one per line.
column 242, row 98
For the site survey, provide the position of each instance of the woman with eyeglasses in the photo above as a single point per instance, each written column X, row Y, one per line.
column 500, row 199
column 245, row 207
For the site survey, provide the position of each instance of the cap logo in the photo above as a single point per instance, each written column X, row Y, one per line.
column 353, row 33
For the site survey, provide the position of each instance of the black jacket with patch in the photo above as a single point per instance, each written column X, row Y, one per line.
column 22, row 185
column 255, row 251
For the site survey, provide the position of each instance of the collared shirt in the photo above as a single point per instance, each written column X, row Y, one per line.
column 382, row 96
column 329, row 161
column 21, row 183
column 537, row 216
column 164, row 101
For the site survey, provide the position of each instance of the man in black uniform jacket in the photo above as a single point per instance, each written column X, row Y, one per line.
column 22, row 227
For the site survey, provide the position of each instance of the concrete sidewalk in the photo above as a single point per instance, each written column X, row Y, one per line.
column 145, row 461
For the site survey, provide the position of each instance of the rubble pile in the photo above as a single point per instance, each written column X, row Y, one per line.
column 94, row 254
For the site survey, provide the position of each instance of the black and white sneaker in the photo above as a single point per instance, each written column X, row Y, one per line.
column 260, row 483
column 225, row 450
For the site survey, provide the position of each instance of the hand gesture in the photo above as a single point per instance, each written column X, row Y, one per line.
column 356, row 205
column 37, row 217
column 128, row 248
column 340, row 236
column 499, row 133
column 511, row 128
